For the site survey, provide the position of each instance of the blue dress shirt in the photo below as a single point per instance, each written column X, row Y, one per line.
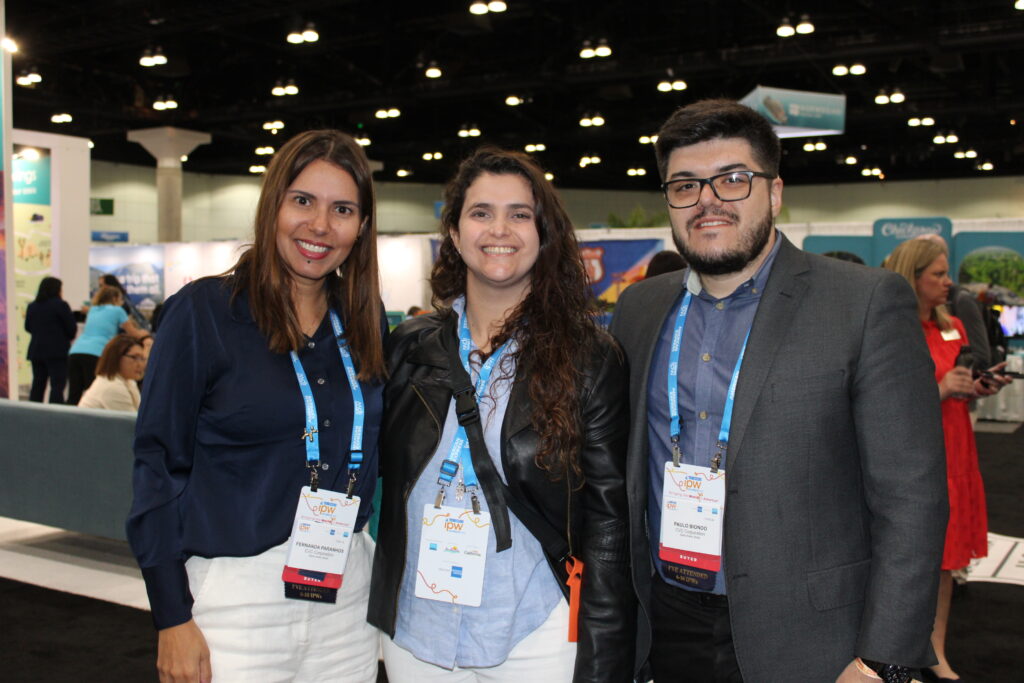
column 219, row 459
column 714, row 333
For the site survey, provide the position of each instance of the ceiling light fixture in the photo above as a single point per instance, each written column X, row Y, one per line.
column 9, row 44
column 184, row 158
column 636, row 171
column 986, row 166
column 310, row 34
column 432, row 156
column 403, row 173
column 603, row 49
column 363, row 141
column 478, row 8
column 61, row 118
column 939, row 139
column 588, row 160
column 265, row 150
column 513, row 100
column 589, row 120
column 295, row 37
column 881, row 98
column 159, row 59
column 273, row 126
column 549, row 176
column 952, row 137
column 257, row 169
column 897, row 97
column 840, row 70
column 971, row 154
column 805, row 26
column 914, row 122
column 587, row 51
column 785, row 29
column 392, row 113
column 927, row 121
column 433, row 70
column 278, row 89
column 959, row 154
column 291, row 88
column 850, row 160
column 858, row 69
column 535, row 147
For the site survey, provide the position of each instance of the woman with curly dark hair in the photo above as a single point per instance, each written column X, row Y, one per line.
column 503, row 535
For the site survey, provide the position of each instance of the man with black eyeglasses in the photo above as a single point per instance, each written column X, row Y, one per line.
column 786, row 469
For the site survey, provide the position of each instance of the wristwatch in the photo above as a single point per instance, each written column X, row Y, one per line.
column 890, row 673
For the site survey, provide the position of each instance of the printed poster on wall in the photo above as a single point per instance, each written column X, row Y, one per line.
column 613, row 265
column 33, row 239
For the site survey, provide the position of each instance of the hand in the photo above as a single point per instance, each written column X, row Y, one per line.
column 851, row 674
column 986, row 386
column 956, row 382
column 182, row 655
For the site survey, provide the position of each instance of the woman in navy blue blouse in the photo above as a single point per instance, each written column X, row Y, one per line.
column 246, row 403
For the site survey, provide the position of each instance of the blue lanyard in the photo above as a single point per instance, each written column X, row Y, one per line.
column 675, row 428
column 358, row 412
column 460, row 454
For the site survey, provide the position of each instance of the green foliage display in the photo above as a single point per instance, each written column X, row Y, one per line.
column 995, row 266
column 638, row 218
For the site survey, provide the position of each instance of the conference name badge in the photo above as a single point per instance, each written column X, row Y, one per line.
column 952, row 334
column 453, row 549
column 321, row 539
column 692, row 513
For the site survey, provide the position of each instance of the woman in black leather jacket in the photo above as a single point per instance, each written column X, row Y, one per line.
column 551, row 426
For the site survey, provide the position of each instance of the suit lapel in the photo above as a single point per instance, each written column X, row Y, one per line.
column 781, row 298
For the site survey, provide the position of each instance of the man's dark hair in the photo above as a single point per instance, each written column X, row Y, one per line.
column 713, row 119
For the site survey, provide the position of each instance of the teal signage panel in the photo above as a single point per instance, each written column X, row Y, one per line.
column 888, row 232
column 797, row 113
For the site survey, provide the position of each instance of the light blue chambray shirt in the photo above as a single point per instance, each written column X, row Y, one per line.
column 519, row 589
column 712, row 338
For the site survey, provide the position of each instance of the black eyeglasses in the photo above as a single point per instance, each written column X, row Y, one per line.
column 733, row 186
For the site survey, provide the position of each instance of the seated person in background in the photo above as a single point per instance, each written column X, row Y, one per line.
column 120, row 366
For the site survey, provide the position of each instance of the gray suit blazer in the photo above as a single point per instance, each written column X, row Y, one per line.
column 836, row 502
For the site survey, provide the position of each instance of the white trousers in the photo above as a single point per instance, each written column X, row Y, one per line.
column 256, row 634
column 544, row 655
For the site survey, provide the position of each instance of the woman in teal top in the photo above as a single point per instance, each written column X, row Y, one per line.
column 106, row 319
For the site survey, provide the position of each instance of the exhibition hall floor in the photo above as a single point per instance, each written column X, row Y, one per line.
column 73, row 605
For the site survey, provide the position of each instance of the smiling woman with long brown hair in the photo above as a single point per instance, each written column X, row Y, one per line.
column 263, row 395
column 482, row 547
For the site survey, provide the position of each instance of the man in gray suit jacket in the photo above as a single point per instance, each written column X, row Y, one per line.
column 788, row 400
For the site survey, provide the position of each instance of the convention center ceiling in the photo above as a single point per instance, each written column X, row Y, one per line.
column 513, row 73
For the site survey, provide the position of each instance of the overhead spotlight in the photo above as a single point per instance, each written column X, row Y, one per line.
column 147, row 58
column 820, row 146
column 535, row 147
column 184, row 158
column 34, row 77
column 952, row 137
column 433, row 70
column 159, row 104
column 394, row 113
column 927, row 121
column 265, row 150
column 603, row 49
column 959, row 154
column 840, row 70
column 665, row 86
column 432, row 156
column 636, row 171
column 273, row 126
column 939, row 139
column 589, row 120
column 881, row 98
column 92, row 144
column 309, row 34
column 403, row 173
column 159, row 59
column 478, row 8
column 295, row 37
column 805, row 26
column 168, row 102
column 1019, row 5
column 469, row 131
column 858, row 69
column 291, row 88
column 497, row 6
column 913, row 122
column 808, row 146
column 971, row 154
column 669, row 86
column 513, row 100
column 474, row 132
column 549, row 176
column 278, row 89
column 362, row 141
column 586, row 122
column 865, row 171
column 897, row 97
column 645, row 140
column 785, row 29
column 986, row 166
column 587, row 51
column 9, row 44
column 23, row 80
column 594, row 159
column 876, row 171
column 61, row 118
column 850, row 160
column 257, row 169
column 597, row 120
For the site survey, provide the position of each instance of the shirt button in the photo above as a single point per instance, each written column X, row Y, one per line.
column 706, row 357
column 754, row 290
column 703, row 415
column 327, row 423
column 311, row 344
column 320, row 380
column 719, row 305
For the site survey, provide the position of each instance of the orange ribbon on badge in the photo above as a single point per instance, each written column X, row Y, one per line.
column 575, row 582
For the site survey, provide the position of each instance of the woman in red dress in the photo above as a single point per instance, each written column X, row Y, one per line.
column 924, row 263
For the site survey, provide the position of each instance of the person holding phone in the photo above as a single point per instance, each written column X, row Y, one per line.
column 925, row 265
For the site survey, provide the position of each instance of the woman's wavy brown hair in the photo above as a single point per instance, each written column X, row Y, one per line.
column 354, row 290
column 553, row 324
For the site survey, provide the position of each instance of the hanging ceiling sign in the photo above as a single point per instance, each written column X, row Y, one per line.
column 796, row 113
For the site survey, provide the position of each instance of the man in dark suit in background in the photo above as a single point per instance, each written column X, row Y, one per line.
column 788, row 402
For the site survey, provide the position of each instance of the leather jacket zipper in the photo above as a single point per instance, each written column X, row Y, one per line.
column 408, row 492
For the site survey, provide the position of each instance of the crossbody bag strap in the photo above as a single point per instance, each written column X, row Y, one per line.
column 468, row 414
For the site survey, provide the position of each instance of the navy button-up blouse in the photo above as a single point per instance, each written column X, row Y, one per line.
column 219, row 456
